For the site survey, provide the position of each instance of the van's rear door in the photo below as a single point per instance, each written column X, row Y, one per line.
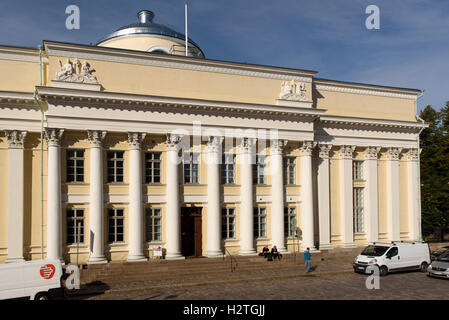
column 11, row 281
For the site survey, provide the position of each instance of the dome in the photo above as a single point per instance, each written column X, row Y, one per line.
column 170, row 41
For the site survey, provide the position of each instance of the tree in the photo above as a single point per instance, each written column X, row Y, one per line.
column 435, row 171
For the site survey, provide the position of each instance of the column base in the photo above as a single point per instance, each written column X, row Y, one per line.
column 326, row 246
column 176, row 256
column 247, row 253
column 136, row 258
column 214, row 254
column 351, row 245
column 14, row 260
column 312, row 249
column 97, row 260
column 282, row 249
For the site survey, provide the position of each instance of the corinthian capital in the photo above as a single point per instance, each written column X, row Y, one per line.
column 135, row 139
column 245, row 144
column 393, row 153
column 412, row 155
column 53, row 136
column 346, row 152
column 96, row 137
column 15, row 138
column 324, row 150
column 307, row 148
column 214, row 143
column 371, row 153
column 172, row 141
column 277, row 146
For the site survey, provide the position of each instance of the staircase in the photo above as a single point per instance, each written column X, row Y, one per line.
column 168, row 273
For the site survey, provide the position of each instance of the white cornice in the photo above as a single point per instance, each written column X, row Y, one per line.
column 365, row 91
column 96, row 98
column 16, row 97
column 177, row 62
column 366, row 122
column 20, row 54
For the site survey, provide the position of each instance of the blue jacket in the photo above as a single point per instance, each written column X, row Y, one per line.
column 307, row 255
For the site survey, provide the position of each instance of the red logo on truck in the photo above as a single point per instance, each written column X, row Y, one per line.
column 47, row 271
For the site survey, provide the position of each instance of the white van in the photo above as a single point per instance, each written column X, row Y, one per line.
column 39, row 279
column 395, row 256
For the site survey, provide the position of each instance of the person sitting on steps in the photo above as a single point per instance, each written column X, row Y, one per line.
column 264, row 252
column 275, row 253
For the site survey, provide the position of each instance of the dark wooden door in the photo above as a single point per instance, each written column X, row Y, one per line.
column 191, row 232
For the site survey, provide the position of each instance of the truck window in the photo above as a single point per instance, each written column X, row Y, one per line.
column 392, row 252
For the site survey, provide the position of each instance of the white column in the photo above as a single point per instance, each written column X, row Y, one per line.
column 307, row 223
column 323, row 197
column 136, row 240
column 173, row 216
column 96, row 206
column 346, row 190
column 16, row 141
column 277, row 194
column 246, row 198
column 54, row 214
column 371, row 203
column 213, row 198
column 392, row 193
column 413, row 194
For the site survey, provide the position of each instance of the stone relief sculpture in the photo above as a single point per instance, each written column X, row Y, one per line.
column 294, row 91
column 76, row 73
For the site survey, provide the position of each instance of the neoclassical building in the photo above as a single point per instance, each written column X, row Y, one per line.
column 111, row 150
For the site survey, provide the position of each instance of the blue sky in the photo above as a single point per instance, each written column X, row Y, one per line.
column 410, row 50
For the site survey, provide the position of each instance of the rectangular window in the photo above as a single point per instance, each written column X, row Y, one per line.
column 227, row 168
column 228, row 223
column 75, row 226
column 191, row 167
column 357, row 170
column 153, row 224
column 260, row 222
column 75, row 165
column 358, row 210
column 152, row 167
column 115, row 166
column 289, row 217
column 115, row 225
column 259, row 170
column 289, row 170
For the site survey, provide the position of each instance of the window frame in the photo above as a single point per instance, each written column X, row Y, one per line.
column 70, row 225
column 287, row 168
column 287, row 221
column 191, row 163
column 115, row 218
column 75, row 158
column 115, row 167
column 259, row 219
column 357, row 170
column 358, row 211
column 150, row 216
column 225, row 171
column 227, row 227
column 150, row 165
column 258, row 178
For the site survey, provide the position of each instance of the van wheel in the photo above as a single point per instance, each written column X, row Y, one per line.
column 424, row 267
column 42, row 296
column 383, row 271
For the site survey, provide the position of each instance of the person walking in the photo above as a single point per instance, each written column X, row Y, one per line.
column 307, row 260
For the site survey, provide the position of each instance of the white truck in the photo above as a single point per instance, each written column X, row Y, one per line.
column 38, row 280
column 392, row 257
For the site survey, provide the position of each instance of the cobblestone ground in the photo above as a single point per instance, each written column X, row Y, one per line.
column 346, row 286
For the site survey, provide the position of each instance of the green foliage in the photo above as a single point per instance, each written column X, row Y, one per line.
column 435, row 171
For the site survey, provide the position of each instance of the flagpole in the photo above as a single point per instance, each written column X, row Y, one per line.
column 186, row 26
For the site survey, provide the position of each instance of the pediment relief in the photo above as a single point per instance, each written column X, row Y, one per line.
column 76, row 75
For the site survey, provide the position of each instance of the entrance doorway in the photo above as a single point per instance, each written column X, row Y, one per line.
column 191, row 232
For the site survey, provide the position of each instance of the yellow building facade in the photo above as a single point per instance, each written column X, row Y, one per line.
column 129, row 145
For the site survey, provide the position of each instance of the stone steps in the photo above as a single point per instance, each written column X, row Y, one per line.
column 173, row 272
